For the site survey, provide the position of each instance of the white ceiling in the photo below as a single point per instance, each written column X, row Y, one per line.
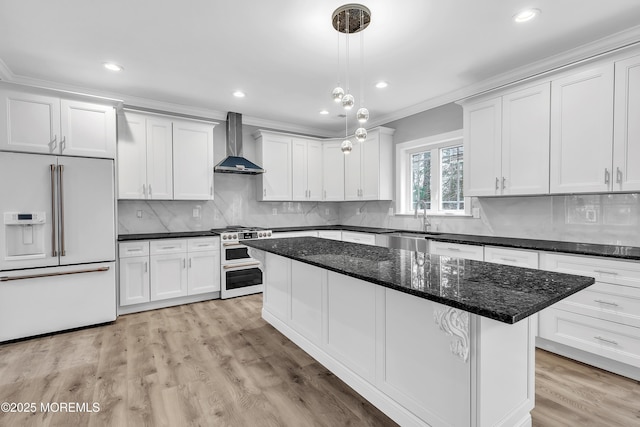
column 283, row 54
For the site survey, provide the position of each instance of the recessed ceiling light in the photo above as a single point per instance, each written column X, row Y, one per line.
column 382, row 85
column 239, row 94
column 324, row 112
column 113, row 66
column 526, row 15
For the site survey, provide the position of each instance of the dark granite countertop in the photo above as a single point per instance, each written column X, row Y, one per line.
column 504, row 293
column 593, row 249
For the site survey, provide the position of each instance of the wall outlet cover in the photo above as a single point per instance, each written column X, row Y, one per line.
column 139, row 214
column 274, row 211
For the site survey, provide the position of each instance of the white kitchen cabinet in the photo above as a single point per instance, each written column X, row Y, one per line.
column 332, row 172
column 204, row 265
column 506, row 144
column 514, row 257
column 47, row 124
column 134, row 273
column 582, row 131
column 599, row 325
column 161, row 158
column 274, row 154
column 168, row 259
column 368, row 168
column 626, row 133
column 306, row 169
column 456, row 250
column 356, row 237
column 145, row 157
column 330, row 234
column 192, row 160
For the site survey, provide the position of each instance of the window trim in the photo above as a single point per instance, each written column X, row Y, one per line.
column 403, row 172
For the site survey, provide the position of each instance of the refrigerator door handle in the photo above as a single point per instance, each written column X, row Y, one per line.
column 52, row 169
column 61, row 196
column 38, row 276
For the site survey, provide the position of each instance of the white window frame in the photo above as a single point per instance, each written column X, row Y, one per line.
column 403, row 172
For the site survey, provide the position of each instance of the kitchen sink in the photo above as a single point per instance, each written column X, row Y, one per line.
column 408, row 241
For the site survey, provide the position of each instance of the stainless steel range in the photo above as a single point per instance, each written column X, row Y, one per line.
column 240, row 274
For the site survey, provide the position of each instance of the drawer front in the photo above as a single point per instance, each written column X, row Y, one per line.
column 362, row 238
column 457, row 250
column 169, row 246
column 607, row 339
column 332, row 235
column 625, row 273
column 203, row 244
column 605, row 301
column 287, row 234
column 516, row 257
column 131, row 249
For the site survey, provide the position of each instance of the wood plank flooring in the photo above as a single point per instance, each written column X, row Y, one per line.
column 217, row 363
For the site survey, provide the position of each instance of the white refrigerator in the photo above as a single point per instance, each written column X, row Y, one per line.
column 57, row 243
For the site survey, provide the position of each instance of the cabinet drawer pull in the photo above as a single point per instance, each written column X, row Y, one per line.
column 203, row 245
column 606, row 302
column 168, row 247
column 613, row 273
column 509, row 259
column 599, row 338
column 249, row 264
column 454, row 249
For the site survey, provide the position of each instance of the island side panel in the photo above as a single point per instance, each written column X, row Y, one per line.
column 502, row 372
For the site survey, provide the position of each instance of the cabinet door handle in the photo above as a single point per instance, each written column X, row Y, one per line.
column 150, row 192
column 497, row 183
column 264, row 192
column 144, row 190
column 607, row 176
column 503, row 181
column 599, row 338
column 63, row 143
column 54, row 143
column 618, row 175
column 606, row 302
column 324, row 194
column 184, row 263
column 189, row 262
column 211, row 190
column 146, row 266
column 613, row 273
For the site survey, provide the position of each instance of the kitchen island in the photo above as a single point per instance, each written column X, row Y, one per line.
column 429, row 340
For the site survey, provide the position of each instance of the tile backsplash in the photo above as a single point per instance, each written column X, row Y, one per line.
column 601, row 218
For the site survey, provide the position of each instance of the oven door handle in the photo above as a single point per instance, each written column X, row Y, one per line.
column 232, row 244
column 248, row 264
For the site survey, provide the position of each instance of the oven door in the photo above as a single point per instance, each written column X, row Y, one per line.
column 239, row 279
column 233, row 252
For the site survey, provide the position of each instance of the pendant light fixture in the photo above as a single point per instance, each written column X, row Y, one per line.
column 349, row 19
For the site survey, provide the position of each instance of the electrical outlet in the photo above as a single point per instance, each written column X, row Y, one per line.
column 359, row 211
column 326, row 211
column 196, row 212
column 274, row 211
column 139, row 214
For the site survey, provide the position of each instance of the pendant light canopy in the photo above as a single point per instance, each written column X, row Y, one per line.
column 350, row 19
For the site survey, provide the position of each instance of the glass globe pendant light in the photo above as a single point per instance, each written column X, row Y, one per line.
column 362, row 115
column 348, row 101
column 361, row 134
column 346, row 145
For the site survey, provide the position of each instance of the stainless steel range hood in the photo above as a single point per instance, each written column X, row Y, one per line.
column 234, row 162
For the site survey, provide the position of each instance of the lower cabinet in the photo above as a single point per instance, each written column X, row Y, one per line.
column 167, row 269
column 599, row 325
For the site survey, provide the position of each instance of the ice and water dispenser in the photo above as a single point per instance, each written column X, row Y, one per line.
column 24, row 233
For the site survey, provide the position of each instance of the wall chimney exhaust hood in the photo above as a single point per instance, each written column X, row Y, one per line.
column 234, row 162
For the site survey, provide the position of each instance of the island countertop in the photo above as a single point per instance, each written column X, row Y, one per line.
column 504, row 293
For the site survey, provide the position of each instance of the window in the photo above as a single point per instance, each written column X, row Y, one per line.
column 430, row 175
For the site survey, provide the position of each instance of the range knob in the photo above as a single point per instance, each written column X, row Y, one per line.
column 261, row 234
column 268, row 234
column 235, row 236
column 224, row 237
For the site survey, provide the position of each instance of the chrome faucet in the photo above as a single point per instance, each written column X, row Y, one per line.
column 425, row 221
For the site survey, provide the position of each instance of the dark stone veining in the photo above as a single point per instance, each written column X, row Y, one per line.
column 504, row 293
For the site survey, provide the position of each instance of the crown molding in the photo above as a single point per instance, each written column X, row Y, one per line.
column 610, row 45
column 5, row 72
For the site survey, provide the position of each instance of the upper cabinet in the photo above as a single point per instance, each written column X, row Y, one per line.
column 306, row 169
column 36, row 123
column 164, row 159
column 274, row 153
column 332, row 171
column 192, row 160
column 368, row 171
column 582, row 131
column 507, row 144
column 626, row 132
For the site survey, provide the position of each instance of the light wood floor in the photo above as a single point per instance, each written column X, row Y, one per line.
column 218, row 363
